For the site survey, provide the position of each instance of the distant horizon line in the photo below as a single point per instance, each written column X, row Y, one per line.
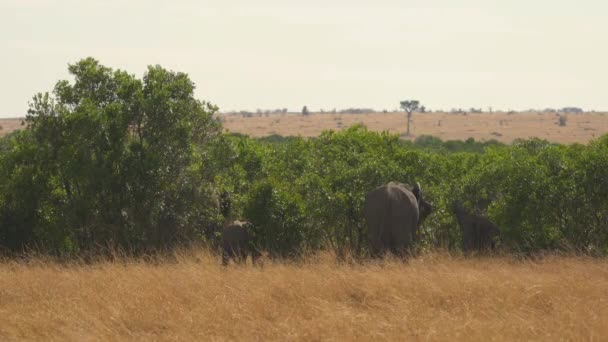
column 363, row 110
column 356, row 110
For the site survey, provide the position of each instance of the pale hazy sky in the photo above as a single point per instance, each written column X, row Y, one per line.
column 244, row 54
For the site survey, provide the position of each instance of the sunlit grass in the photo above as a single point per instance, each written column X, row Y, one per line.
column 191, row 297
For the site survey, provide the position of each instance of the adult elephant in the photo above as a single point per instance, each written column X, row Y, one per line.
column 393, row 213
column 238, row 242
column 478, row 232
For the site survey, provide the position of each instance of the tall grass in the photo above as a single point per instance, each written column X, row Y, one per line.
column 191, row 297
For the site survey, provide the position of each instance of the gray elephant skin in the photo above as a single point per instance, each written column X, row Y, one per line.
column 393, row 214
column 237, row 242
column 478, row 232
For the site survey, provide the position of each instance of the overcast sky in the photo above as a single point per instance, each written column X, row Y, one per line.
column 243, row 54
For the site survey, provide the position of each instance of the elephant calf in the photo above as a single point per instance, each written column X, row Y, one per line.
column 237, row 243
column 478, row 232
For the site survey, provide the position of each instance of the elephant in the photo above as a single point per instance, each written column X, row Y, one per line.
column 478, row 232
column 393, row 213
column 237, row 242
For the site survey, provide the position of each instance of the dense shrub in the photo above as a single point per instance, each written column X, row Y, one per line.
column 109, row 160
column 113, row 160
column 542, row 195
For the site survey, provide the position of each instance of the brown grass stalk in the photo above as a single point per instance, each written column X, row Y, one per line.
column 191, row 297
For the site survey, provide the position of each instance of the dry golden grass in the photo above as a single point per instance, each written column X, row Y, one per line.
column 9, row 125
column 434, row 297
column 504, row 127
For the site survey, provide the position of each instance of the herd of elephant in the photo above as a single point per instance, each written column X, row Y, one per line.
column 393, row 213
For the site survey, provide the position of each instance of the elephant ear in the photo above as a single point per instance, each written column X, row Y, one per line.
column 458, row 207
column 417, row 190
column 248, row 226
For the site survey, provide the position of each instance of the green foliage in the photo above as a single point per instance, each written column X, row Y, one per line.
column 410, row 105
column 435, row 144
column 108, row 160
column 279, row 219
column 542, row 195
column 112, row 160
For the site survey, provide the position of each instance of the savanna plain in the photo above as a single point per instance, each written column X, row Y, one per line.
column 501, row 126
column 436, row 296
column 190, row 296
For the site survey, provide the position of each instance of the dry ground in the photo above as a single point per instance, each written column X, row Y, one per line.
column 434, row 297
column 503, row 127
column 9, row 125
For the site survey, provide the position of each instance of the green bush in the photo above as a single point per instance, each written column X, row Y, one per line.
column 113, row 160
column 279, row 219
column 108, row 160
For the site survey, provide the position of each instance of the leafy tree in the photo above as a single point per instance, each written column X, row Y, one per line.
column 113, row 160
column 409, row 106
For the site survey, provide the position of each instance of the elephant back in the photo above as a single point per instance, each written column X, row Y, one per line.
column 235, row 234
column 389, row 199
column 391, row 213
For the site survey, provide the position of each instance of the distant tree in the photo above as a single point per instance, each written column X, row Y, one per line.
column 571, row 110
column 357, row 110
column 305, row 110
column 409, row 106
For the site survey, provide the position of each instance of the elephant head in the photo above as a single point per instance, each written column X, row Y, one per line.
column 424, row 208
column 458, row 209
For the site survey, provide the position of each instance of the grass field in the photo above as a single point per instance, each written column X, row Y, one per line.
column 191, row 297
column 504, row 127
